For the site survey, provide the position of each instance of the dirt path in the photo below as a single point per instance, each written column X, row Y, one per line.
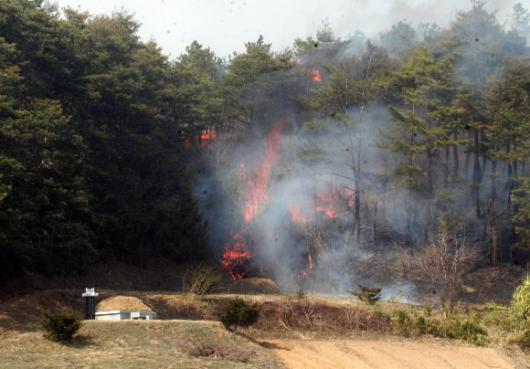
column 385, row 355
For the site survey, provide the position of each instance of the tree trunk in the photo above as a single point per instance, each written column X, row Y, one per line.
column 446, row 168
column 477, row 174
column 456, row 158
column 493, row 233
column 357, row 194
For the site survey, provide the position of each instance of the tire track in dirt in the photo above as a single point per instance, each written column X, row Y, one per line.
column 342, row 354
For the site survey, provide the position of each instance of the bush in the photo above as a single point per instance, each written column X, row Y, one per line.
column 369, row 295
column 520, row 305
column 238, row 313
column 201, row 280
column 62, row 325
column 523, row 339
column 467, row 330
column 402, row 322
column 422, row 325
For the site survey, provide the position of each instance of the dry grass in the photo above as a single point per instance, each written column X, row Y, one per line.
column 156, row 344
column 254, row 286
column 282, row 316
column 124, row 303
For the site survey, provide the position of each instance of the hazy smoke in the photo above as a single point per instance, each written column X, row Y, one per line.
column 304, row 235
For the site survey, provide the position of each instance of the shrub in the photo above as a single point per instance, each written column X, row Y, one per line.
column 402, row 322
column 369, row 295
column 238, row 313
column 61, row 325
column 467, row 330
column 201, row 280
column 523, row 339
column 421, row 325
column 520, row 305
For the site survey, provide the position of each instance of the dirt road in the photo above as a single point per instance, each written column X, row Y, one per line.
column 385, row 355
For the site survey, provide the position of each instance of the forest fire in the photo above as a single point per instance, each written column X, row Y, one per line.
column 305, row 273
column 297, row 217
column 208, row 135
column 236, row 258
column 316, row 76
column 330, row 204
column 333, row 204
column 237, row 255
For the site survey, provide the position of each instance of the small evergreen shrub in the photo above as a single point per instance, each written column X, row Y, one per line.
column 520, row 305
column 421, row 325
column 402, row 322
column 62, row 325
column 467, row 330
column 464, row 328
column 238, row 313
column 369, row 295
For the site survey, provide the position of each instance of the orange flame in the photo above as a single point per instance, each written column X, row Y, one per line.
column 316, row 76
column 258, row 195
column 208, row 136
column 297, row 216
column 335, row 203
column 309, row 268
column 237, row 255
column 332, row 205
column 236, row 258
column 327, row 203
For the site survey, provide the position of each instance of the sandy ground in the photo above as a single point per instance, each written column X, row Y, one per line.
column 385, row 355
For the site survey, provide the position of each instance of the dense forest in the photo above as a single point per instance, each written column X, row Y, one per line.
column 110, row 150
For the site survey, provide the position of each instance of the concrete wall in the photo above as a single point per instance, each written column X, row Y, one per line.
column 125, row 315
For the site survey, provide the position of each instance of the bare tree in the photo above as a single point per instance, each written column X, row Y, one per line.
column 445, row 262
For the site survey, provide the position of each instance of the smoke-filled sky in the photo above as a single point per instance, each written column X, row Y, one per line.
column 225, row 25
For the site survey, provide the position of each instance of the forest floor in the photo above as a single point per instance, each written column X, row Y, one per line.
column 293, row 332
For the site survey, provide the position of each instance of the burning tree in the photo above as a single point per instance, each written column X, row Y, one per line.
column 237, row 255
column 445, row 262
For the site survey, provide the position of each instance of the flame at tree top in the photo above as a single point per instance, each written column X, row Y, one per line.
column 237, row 255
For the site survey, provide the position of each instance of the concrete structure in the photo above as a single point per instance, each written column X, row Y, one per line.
column 89, row 296
column 125, row 315
column 124, row 308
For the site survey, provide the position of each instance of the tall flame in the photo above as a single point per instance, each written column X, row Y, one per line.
column 258, row 195
column 237, row 255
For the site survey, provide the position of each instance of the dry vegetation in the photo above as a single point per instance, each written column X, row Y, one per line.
column 157, row 344
column 122, row 303
column 166, row 343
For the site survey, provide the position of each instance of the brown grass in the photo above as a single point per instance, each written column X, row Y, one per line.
column 155, row 344
column 315, row 317
column 254, row 286
column 124, row 303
